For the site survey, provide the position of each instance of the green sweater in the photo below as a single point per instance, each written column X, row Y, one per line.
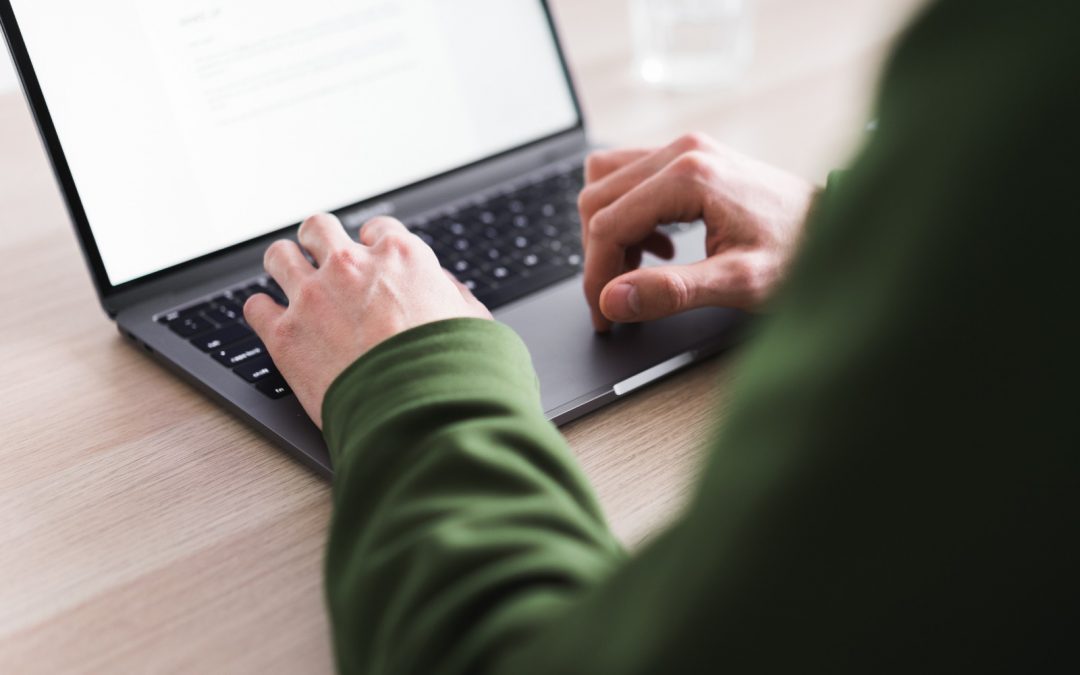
column 895, row 488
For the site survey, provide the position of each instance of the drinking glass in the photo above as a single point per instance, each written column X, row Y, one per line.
column 692, row 44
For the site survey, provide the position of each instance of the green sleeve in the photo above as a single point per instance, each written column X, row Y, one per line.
column 894, row 489
column 461, row 519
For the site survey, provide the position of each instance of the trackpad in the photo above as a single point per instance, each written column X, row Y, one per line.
column 574, row 363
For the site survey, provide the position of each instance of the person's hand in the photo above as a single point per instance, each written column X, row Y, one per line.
column 754, row 216
column 360, row 295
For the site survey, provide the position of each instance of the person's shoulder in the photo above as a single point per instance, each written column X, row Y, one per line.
column 975, row 71
column 996, row 43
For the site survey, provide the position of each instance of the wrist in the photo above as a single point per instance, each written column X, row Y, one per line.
column 450, row 360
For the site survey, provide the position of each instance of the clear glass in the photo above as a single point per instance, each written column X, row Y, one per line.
column 693, row 44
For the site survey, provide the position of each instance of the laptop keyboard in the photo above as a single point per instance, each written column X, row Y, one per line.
column 503, row 246
column 217, row 328
column 511, row 243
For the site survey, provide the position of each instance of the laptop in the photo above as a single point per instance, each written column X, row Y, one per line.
column 186, row 135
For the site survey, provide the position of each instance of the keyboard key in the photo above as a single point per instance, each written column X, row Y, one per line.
column 237, row 295
column 278, row 297
column 274, row 387
column 257, row 369
column 190, row 326
column 226, row 313
column 222, row 301
column 240, row 353
column 222, row 337
column 271, row 289
column 181, row 313
column 512, row 240
column 512, row 290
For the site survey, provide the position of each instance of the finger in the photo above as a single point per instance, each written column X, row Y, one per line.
column 286, row 263
column 321, row 235
column 602, row 163
column 380, row 227
column 658, row 292
column 598, row 195
column 673, row 195
column 261, row 313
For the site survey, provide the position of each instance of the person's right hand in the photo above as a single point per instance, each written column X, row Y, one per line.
column 754, row 216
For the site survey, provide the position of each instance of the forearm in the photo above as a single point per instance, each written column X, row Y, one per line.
column 461, row 518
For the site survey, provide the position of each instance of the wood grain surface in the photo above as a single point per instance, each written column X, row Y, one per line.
column 143, row 529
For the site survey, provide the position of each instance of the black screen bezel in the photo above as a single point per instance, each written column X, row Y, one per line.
column 62, row 171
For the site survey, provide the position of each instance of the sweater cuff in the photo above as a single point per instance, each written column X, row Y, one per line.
column 455, row 359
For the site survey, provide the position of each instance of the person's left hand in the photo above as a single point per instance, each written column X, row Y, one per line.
column 360, row 295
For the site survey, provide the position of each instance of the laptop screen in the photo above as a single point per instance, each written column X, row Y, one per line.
column 194, row 125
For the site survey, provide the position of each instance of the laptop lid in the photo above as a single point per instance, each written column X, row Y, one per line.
column 180, row 130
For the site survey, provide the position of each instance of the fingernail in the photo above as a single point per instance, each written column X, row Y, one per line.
column 626, row 300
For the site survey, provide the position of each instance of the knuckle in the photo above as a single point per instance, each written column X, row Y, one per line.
column 595, row 163
column 380, row 223
column 741, row 274
column 308, row 225
column 675, row 290
column 695, row 141
column 275, row 250
column 251, row 305
column 694, row 166
column 602, row 224
column 309, row 292
column 749, row 279
column 341, row 260
column 384, row 220
column 587, row 199
column 316, row 225
column 592, row 161
column 285, row 332
column 398, row 243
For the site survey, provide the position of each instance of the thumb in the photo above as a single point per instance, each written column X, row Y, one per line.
column 657, row 292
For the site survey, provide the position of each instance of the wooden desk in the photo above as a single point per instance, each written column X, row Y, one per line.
column 142, row 529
